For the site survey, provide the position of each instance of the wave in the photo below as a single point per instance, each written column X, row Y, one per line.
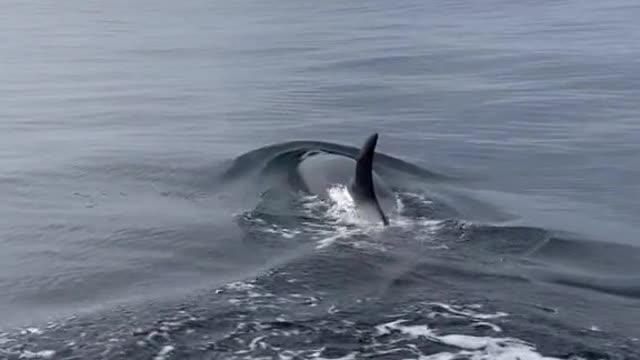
column 285, row 155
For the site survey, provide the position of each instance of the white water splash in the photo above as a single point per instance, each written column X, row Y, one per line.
column 43, row 354
column 162, row 354
column 32, row 330
column 473, row 347
column 338, row 218
column 341, row 220
column 343, row 208
column 467, row 312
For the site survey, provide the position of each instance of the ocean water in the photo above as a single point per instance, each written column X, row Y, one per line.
column 146, row 147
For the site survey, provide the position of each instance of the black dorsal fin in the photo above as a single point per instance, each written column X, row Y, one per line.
column 364, row 167
column 362, row 184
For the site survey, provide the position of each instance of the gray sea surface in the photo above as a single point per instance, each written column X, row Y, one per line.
column 118, row 119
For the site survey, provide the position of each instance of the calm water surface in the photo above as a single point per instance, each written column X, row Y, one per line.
column 119, row 123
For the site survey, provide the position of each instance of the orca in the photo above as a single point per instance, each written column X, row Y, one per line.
column 372, row 197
